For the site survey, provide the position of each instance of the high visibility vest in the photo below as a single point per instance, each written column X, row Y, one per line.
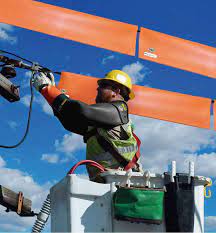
column 125, row 148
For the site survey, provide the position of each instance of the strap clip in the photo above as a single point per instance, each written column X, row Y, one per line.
column 209, row 184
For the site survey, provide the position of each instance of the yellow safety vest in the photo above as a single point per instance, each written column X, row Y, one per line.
column 126, row 148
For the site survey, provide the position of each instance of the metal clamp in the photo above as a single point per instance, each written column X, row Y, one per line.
column 20, row 203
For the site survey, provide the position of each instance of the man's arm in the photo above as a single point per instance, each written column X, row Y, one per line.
column 76, row 116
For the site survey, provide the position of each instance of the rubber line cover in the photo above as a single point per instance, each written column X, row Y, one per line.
column 176, row 52
column 70, row 24
column 149, row 102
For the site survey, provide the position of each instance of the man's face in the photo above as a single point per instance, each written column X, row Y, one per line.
column 106, row 91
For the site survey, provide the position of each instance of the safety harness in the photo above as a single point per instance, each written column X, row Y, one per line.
column 108, row 147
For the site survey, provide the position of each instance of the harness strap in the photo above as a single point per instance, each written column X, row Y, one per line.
column 89, row 134
column 108, row 147
column 136, row 157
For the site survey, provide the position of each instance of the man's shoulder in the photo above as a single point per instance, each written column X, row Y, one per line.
column 121, row 105
column 122, row 109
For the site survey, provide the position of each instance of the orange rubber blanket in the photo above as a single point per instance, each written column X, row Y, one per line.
column 149, row 102
column 110, row 34
column 173, row 51
column 69, row 24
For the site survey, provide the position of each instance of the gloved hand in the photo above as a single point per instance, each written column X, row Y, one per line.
column 41, row 80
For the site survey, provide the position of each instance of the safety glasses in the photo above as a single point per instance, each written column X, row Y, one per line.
column 108, row 85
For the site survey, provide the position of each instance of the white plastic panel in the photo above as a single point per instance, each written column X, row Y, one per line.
column 79, row 205
column 199, row 209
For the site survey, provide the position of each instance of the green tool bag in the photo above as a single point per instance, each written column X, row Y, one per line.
column 139, row 204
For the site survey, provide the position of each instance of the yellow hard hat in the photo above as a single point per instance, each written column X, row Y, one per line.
column 122, row 78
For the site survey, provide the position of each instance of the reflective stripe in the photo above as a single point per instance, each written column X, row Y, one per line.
column 107, row 159
column 127, row 149
column 105, row 156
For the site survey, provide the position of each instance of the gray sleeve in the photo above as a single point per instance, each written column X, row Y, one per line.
column 76, row 116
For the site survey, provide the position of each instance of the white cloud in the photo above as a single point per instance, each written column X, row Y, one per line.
column 210, row 223
column 26, row 100
column 5, row 31
column 12, row 124
column 17, row 180
column 15, row 225
column 163, row 142
column 107, row 58
column 204, row 163
column 70, row 143
column 66, row 159
column 6, row 27
column 40, row 100
column 28, row 74
column 26, row 79
column 137, row 71
column 45, row 106
column 2, row 162
column 50, row 158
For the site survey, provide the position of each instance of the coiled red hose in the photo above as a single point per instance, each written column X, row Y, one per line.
column 90, row 162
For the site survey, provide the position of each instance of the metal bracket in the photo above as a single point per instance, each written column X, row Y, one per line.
column 20, row 203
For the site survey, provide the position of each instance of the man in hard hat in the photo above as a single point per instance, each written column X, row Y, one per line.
column 105, row 125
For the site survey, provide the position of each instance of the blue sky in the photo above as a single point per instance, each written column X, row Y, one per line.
column 49, row 150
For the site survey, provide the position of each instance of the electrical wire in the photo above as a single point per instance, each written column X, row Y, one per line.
column 24, row 59
column 31, row 100
column 16, row 56
column 29, row 118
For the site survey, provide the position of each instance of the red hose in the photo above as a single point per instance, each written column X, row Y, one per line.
column 90, row 162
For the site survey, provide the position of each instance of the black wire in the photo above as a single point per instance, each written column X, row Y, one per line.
column 55, row 72
column 31, row 100
column 16, row 56
column 29, row 118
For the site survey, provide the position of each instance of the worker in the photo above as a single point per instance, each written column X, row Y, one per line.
column 105, row 126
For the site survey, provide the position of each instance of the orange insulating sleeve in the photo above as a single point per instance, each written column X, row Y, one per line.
column 70, row 24
column 149, row 102
column 176, row 52
column 50, row 93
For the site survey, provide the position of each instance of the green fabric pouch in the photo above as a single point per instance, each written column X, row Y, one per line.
column 139, row 204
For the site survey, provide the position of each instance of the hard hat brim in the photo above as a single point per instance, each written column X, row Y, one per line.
column 131, row 95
